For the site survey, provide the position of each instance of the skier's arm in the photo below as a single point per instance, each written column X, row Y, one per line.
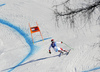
column 59, row 42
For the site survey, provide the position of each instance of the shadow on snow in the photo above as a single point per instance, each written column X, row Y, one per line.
column 31, row 62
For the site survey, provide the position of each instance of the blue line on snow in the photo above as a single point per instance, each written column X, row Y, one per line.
column 2, row 5
column 42, row 40
column 92, row 69
column 28, row 40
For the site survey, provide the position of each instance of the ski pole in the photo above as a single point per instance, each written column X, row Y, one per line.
column 68, row 46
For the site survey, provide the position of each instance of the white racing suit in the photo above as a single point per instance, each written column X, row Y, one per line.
column 54, row 46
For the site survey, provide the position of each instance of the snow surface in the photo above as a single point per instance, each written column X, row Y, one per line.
column 17, row 52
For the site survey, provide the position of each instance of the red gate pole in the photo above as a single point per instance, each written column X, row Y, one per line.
column 40, row 32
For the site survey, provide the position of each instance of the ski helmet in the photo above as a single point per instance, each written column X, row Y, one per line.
column 52, row 40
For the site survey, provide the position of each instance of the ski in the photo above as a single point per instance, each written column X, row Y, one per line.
column 66, row 53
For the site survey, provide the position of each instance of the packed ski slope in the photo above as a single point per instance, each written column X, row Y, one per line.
column 17, row 52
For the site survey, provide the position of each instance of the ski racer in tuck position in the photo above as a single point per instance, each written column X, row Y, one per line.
column 54, row 46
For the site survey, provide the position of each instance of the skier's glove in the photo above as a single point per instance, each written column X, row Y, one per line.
column 49, row 52
column 61, row 42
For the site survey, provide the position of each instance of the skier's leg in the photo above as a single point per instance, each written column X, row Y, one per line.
column 63, row 50
column 60, row 51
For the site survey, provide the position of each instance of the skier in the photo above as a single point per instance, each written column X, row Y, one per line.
column 54, row 46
